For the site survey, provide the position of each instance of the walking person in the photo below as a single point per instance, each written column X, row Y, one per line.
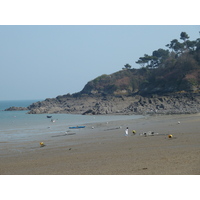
column 126, row 132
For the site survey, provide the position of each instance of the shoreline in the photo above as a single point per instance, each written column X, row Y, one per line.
column 105, row 150
column 173, row 103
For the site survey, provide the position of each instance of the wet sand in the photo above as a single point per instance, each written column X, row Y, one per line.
column 104, row 150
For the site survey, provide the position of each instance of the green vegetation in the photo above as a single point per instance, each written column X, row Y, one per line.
column 160, row 57
column 167, row 70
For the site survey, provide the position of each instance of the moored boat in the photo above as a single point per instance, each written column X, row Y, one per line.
column 76, row 127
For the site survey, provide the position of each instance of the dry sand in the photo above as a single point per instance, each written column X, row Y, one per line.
column 105, row 150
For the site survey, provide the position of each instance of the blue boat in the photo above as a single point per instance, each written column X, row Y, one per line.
column 76, row 127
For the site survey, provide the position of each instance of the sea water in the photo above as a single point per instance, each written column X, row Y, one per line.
column 20, row 126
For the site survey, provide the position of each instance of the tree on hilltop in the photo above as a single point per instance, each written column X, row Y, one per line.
column 143, row 61
column 184, row 36
column 127, row 66
column 154, row 60
column 176, row 46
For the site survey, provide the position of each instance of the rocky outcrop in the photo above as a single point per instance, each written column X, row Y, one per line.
column 84, row 104
column 173, row 104
column 95, row 105
column 13, row 108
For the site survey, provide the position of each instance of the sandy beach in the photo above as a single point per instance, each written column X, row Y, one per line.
column 103, row 149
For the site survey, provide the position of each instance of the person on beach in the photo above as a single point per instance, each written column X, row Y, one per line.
column 126, row 132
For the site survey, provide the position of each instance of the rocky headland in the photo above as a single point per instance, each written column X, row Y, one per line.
column 168, row 82
column 93, row 105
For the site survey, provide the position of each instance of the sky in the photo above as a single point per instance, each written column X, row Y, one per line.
column 51, row 48
column 39, row 62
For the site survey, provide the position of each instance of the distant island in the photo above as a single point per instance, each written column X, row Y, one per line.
column 167, row 82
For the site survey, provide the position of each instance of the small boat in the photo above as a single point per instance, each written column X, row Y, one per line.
column 76, row 127
column 48, row 116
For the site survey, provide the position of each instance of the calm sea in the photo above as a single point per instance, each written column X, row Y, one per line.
column 17, row 125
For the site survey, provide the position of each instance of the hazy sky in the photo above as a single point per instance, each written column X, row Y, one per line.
column 39, row 62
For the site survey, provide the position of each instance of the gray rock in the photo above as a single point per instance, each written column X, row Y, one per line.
column 96, row 105
column 13, row 108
